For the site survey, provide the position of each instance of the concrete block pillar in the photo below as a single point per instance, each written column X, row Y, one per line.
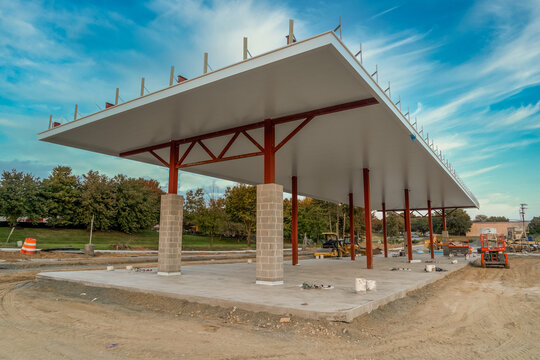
column 269, row 234
column 170, row 234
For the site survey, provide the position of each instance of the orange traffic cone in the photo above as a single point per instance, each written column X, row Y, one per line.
column 29, row 246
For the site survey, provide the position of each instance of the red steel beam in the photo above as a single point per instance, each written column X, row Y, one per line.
column 159, row 158
column 227, row 158
column 210, row 153
column 186, row 153
column 384, row 230
column 229, row 144
column 173, row 171
column 430, row 221
column 269, row 153
column 367, row 213
column 294, row 220
column 257, row 125
column 294, row 132
column 443, row 220
column 326, row 110
column 408, row 224
column 351, row 227
column 250, row 138
column 436, row 208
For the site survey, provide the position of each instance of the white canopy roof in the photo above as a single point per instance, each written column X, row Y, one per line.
column 327, row 155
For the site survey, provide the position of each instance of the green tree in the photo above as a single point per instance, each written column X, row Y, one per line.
column 213, row 217
column 136, row 205
column 98, row 199
column 20, row 197
column 240, row 206
column 194, row 207
column 534, row 225
column 458, row 222
column 61, row 193
column 419, row 224
column 394, row 224
column 480, row 218
column 497, row 219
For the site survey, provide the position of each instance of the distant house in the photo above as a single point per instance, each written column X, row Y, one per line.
column 500, row 227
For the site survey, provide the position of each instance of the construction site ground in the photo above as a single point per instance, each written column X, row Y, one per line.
column 231, row 285
column 472, row 313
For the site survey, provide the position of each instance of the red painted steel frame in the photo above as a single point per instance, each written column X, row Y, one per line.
column 384, row 230
column 408, row 224
column 430, row 221
column 351, row 227
column 294, row 220
column 306, row 116
column 173, row 171
column 269, row 153
column 367, row 213
column 443, row 220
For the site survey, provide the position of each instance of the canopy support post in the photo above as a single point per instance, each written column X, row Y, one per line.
column 351, row 226
column 385, row 237
column 431, row 249
column 173, row 170
column 269, row 153
column 367, row 213
column 294, row 226
column 408, row 225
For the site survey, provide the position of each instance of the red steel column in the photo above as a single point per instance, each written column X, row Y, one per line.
column 367, row 213
column 351, row 227
column 294, row 220
column 384, row 230
column 431, row 249
column 269, row 154
column 408, row 224
column 173, row 170
column 443, row 220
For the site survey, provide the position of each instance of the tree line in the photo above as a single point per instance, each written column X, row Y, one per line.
column 129, row 205
column 66, row 200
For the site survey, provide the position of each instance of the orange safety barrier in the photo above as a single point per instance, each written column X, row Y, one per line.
column 29, row 246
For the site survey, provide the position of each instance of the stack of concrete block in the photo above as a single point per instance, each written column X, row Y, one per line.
column 170, row 234
column 269, row 234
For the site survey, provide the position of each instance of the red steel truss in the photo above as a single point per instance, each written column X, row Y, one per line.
column 268, row 149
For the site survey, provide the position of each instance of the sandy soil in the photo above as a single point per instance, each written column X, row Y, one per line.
column 474, row 313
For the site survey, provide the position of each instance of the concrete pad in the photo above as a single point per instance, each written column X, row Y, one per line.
column 234, row 285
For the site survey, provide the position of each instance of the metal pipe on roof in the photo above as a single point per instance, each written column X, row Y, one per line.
column 205, row 68
column 245, row 48
column 291, row 32
column 75, row 115
column 142, row 86
column 116, row 97
column 171, row 77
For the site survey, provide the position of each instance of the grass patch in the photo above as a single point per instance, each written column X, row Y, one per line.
column 103, row 240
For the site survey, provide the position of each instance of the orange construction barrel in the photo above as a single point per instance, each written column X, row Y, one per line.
column 29, row 246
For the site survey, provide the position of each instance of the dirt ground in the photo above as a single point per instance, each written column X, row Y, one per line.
column 474, row 313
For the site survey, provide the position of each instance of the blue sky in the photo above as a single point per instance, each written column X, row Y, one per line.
column 469, row 70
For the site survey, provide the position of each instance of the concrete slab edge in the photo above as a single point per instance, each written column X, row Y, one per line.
column 346, row 315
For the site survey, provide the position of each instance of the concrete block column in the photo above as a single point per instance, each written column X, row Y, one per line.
column 269, row 234
column 170, row 234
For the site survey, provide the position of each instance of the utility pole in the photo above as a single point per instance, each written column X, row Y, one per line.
column 522, row 208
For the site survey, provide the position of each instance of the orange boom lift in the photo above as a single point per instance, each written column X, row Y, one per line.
column 493, row 251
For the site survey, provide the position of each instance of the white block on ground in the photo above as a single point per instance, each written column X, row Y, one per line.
column 360, row 285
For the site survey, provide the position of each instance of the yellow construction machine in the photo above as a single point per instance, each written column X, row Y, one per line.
column 332, row 246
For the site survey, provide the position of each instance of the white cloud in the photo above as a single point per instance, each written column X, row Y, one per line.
column 497, row 204
column 480, row 171
column 451, row 142
column 383, row 12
